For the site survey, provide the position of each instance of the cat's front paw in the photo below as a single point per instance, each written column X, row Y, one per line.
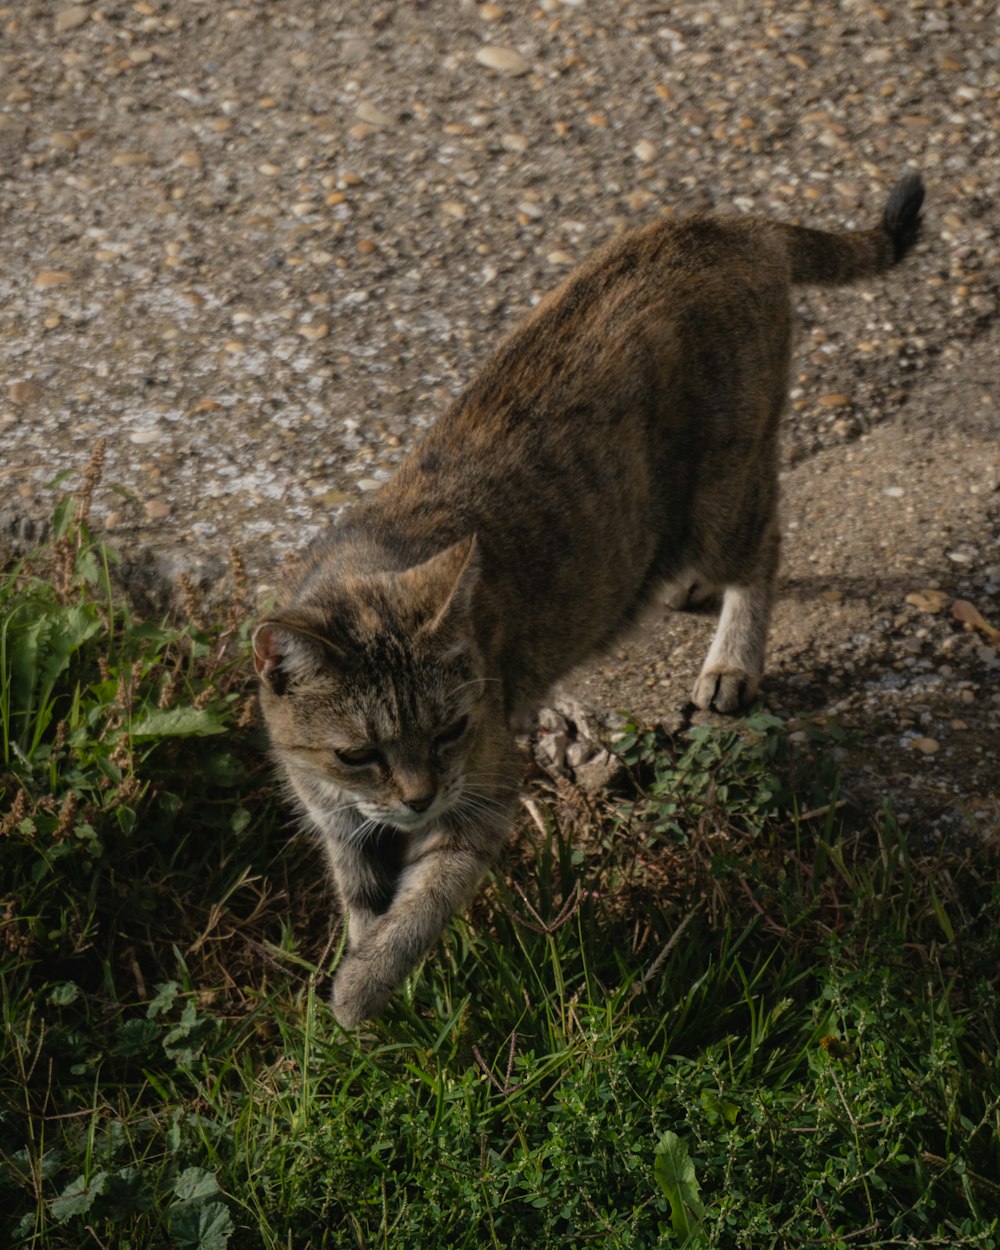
column 357, row 994
column 727, row 690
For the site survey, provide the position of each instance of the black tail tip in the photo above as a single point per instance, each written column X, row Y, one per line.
column 901, row 216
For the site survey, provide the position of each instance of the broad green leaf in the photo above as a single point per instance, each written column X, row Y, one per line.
column 136, row 1036
column 23, row 641
column 196, row 1226
column 675, row 1172
column 178, row 722
column 129, row 1190
column 196, row 1184
column 78, row 1196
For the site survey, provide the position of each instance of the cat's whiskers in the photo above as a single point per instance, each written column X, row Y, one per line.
column 473, row 803
column 473, row 681
column 360, row 834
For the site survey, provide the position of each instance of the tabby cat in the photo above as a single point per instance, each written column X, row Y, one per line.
column 622, row 437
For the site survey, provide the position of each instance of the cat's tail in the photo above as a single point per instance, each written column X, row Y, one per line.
column 818, row 256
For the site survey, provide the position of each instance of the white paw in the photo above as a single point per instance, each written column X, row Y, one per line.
column 726, row 690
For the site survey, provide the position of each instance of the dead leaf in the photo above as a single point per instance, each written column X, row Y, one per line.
column 970, row 616
column 928, row 600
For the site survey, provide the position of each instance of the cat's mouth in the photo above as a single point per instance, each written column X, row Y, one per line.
column 405, row 819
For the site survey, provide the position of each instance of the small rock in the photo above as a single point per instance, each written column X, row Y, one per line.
column 314, row 330
column 926, row 746
column 599, row 772
column 129, row 160
column 894, row 492
column 142, row 438
column 70, row 18
column 53, row 277
column 835, row 400
column 560, row 258
column 639, row 200
column 157, row 509
column 578, row 753
column 503, row 60
column 845, row 429
column 551, row 750
column 334, row 498
column 550, row 721
column 644, row 151
column 372, row 115
column 24, row 392
column 514, row 143
column 355, row 50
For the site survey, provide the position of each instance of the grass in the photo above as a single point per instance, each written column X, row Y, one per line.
column 702, row 1012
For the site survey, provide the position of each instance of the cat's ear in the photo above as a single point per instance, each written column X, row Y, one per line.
column 446, row 582
column 287, row 651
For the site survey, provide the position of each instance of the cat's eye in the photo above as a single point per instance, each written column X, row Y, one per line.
column 453, row 732
column 359, row 757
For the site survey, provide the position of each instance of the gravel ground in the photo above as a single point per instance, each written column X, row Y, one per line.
column 258, row 246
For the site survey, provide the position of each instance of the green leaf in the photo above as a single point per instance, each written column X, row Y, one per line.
column 62, row 476
column 166, row 993
column 178, row 722
column 78, row 1196
column 64, row 993
column 717, row 1108
column 942, row 916
column 128, row 1191
column 239, row 820
column 62, row 513
column 675, row 1172
column 194, row 1226
column 195, row 1184
column 222, row 768
column 136, row 1036
column 87, row 566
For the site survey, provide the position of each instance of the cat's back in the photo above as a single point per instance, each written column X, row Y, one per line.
column 628, row 320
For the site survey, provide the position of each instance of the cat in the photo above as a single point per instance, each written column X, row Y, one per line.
column 622, row 437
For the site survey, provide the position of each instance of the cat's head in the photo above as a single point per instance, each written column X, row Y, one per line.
column 373, row 689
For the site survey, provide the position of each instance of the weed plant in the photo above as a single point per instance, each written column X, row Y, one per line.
column 701, row 1012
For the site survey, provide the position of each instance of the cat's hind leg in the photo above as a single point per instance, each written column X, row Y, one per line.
column 690, row 589
column 731, row 675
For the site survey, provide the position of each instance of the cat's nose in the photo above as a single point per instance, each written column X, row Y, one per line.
column 419, row 803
